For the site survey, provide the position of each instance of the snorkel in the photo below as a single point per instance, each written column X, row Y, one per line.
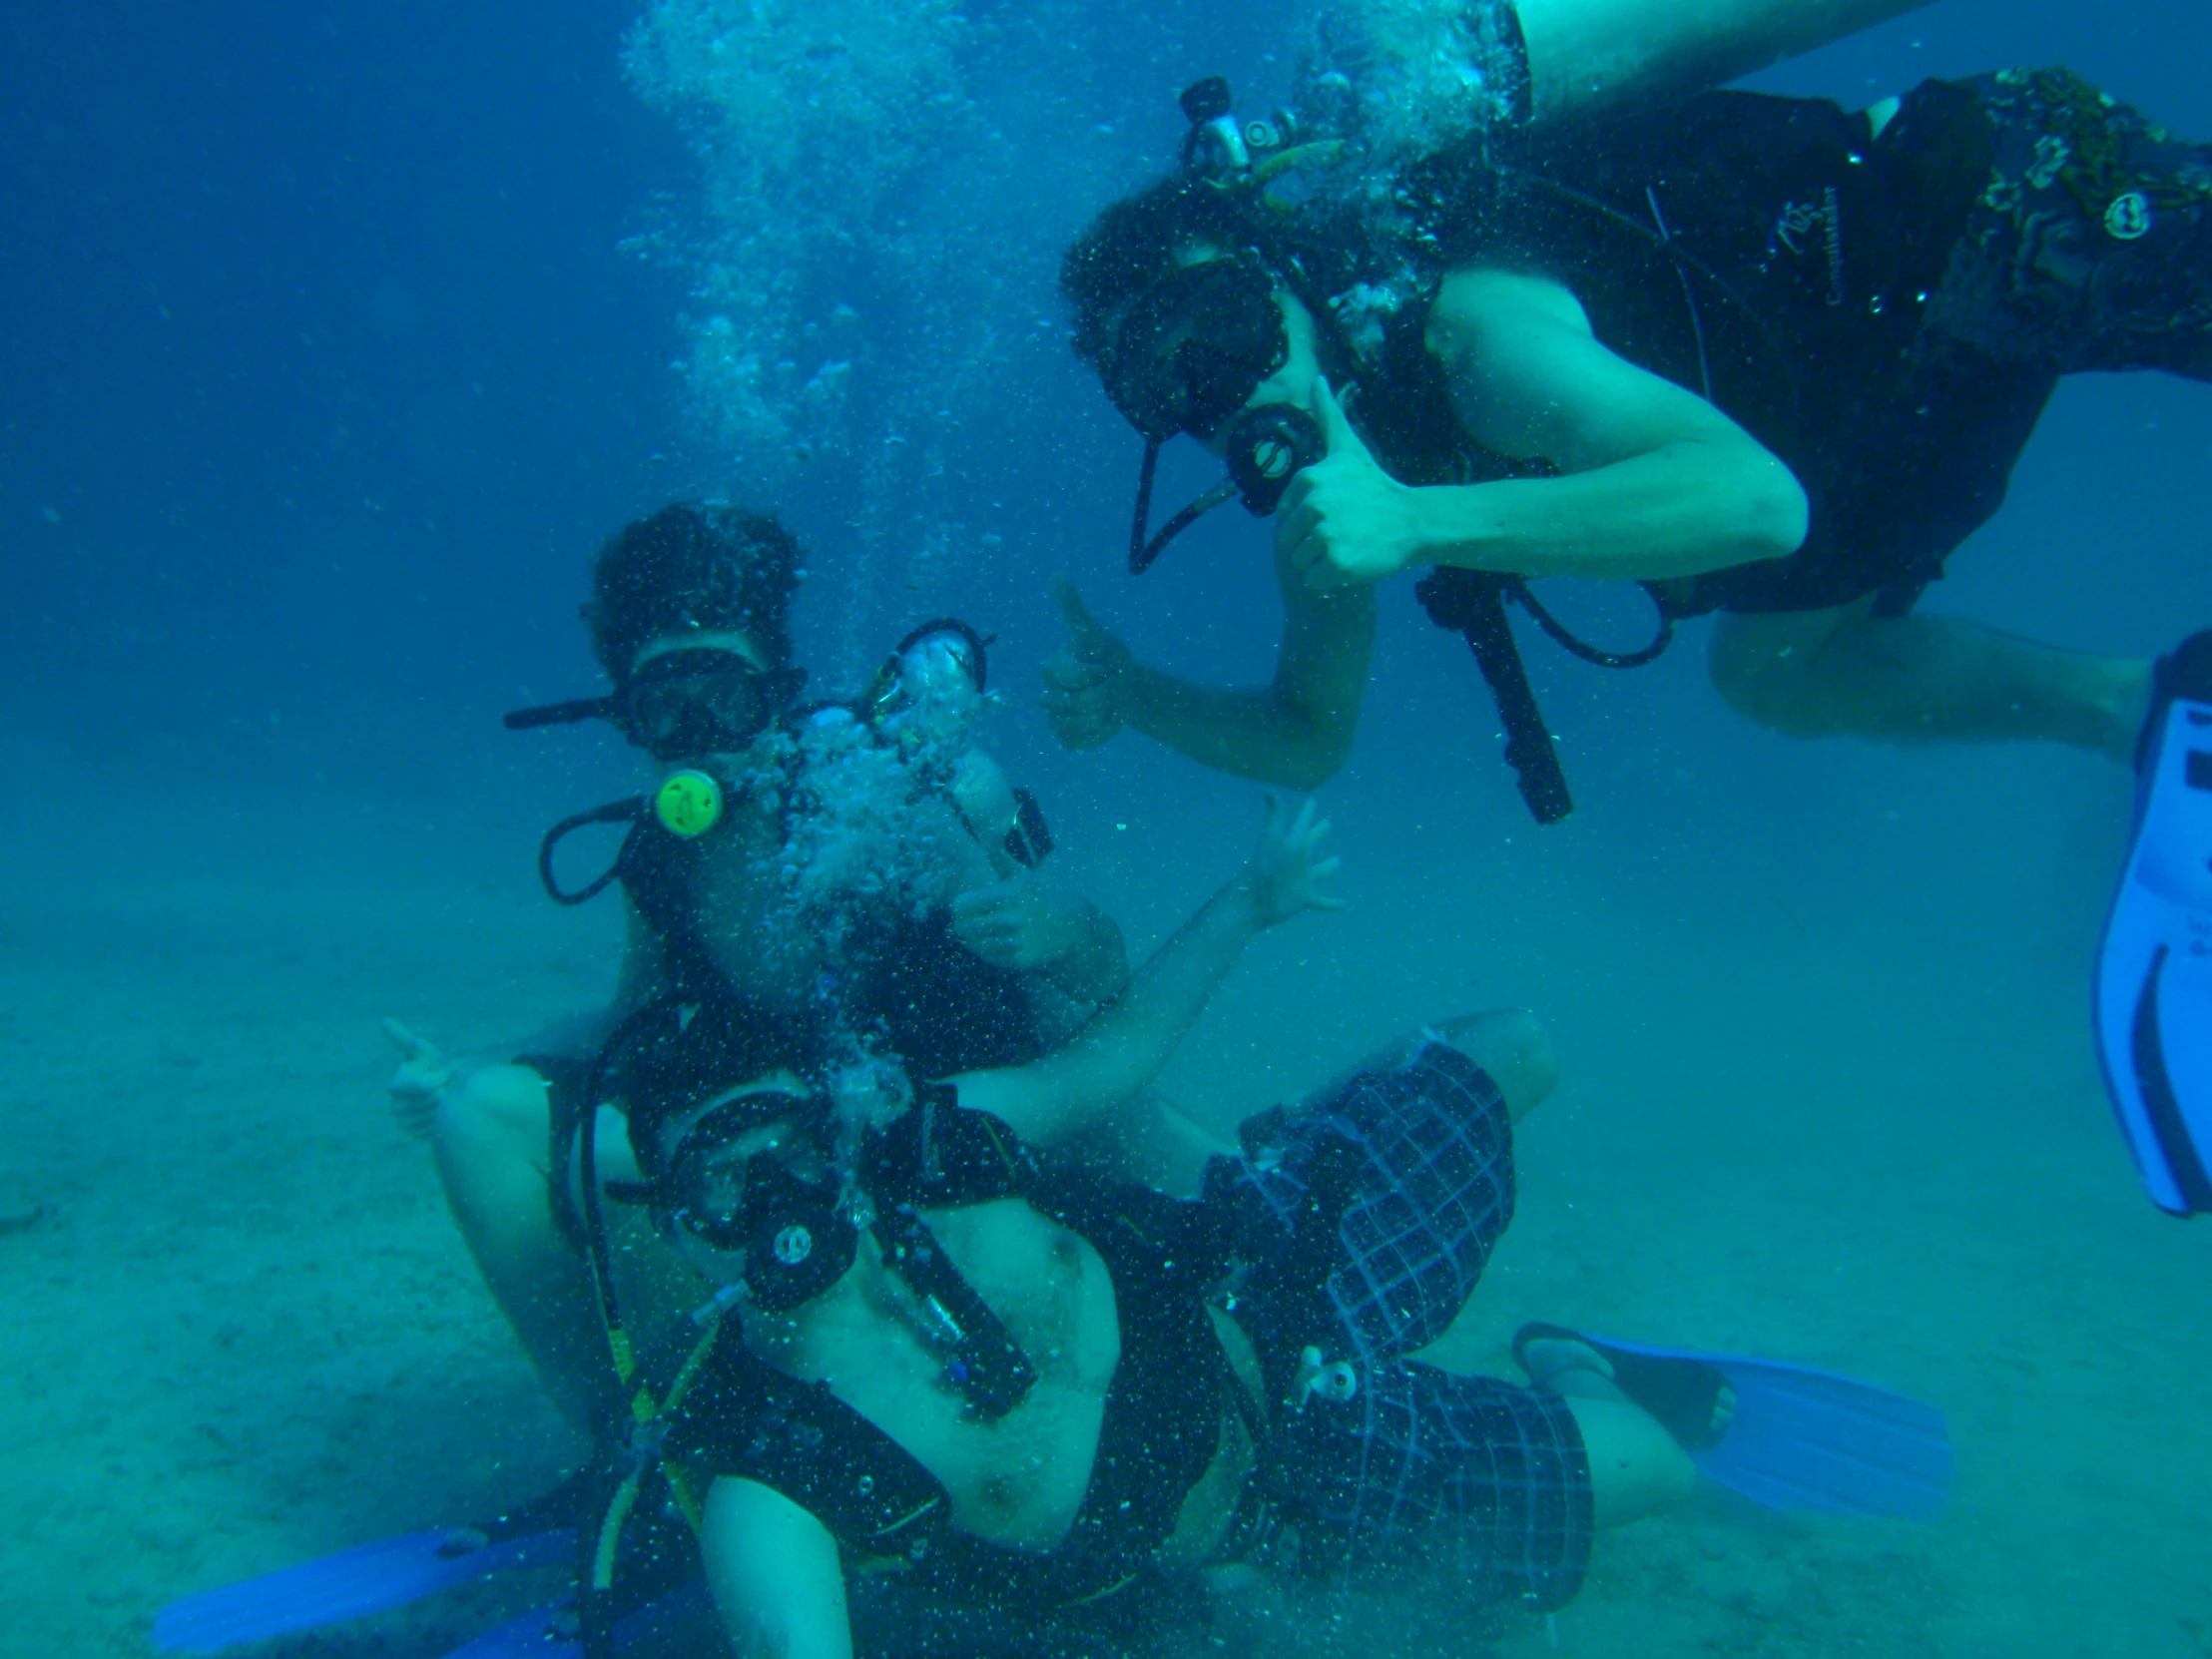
column 1192, row 349
column 690, row 705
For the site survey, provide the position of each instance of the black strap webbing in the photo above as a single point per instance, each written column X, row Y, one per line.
column 1472, row 604
column 746, row 1419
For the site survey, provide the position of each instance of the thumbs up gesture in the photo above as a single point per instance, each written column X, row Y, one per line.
column 422, row 1077
column 1082, row 682
column 1344, row 519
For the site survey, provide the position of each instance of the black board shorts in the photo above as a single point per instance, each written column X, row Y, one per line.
column 1368, row 1221
column 2089, row 245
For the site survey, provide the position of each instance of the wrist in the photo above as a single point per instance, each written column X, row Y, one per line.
column 1245, row 900
column 1140, row 694
column 1428, row 540
column 1446, row 527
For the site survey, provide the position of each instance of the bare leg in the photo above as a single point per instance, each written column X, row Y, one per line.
column 1637, row 1467
column 492, row 1137
column 1510, row 1044
column 1924, row 679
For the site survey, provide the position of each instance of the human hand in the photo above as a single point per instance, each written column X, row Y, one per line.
column 1344, row 519
column 1023, row 923
column 1082, row 699
column 423, row 1076
column 1284, row 869
column 985, row 798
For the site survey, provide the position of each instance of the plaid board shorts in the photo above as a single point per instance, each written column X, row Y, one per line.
column 1368, row 1222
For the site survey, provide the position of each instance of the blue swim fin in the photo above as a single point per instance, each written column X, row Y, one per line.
column 1798, row 1440
column 348, row 1585
column 2155, row 968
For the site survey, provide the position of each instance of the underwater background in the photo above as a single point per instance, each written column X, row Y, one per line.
column 334, row 338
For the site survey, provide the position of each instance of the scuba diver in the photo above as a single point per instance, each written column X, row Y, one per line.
column 775, row 826
column 860, row 871
column 819, row 854
column 1765, row 356
column 885, row 1381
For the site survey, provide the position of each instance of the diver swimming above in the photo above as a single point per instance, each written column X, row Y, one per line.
column 1763, row 355
column 875, row 1370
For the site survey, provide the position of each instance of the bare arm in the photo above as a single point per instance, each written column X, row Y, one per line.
column 775, row 1574
column 1095, row 967
column 1653, row 481
column 1296, row 730
column 1025, row 920
column 426, row 1073
column 1128, row 1041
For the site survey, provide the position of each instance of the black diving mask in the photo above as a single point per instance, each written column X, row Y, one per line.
column 1195, row 347
column 683, row 703
column 932, row 683
column 1188, row 358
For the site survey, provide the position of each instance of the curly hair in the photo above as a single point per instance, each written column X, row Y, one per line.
column 678, row 1051
column 691, row 565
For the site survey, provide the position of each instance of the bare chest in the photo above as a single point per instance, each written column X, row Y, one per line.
column 1016, row 1480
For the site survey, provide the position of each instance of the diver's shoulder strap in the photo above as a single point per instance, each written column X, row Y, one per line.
column 744, row 1419
column 941, row 1155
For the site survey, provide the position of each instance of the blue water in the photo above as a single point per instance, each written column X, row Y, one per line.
column 334, row 338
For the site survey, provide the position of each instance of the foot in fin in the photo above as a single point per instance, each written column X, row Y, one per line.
column 1785, row 1436
column 2154, row 967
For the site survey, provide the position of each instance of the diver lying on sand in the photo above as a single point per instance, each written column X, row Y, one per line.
column 843, row 1343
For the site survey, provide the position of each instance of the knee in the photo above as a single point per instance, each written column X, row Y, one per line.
column 1528, row 1051
column 1514, row 1047
column 1765, row 674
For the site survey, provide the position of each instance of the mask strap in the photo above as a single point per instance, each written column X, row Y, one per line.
column 1143, row 552
column 563, row 714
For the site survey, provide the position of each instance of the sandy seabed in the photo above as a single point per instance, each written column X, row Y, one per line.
column 1829, row 1096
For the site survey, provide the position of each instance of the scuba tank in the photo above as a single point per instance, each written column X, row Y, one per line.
column 1407, row 79
column 1586, row 55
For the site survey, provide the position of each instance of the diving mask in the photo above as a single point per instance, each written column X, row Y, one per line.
column 1188, row 358
column 1195, row 347
column 701, row 702
column 931, row 686
column 683, row 703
